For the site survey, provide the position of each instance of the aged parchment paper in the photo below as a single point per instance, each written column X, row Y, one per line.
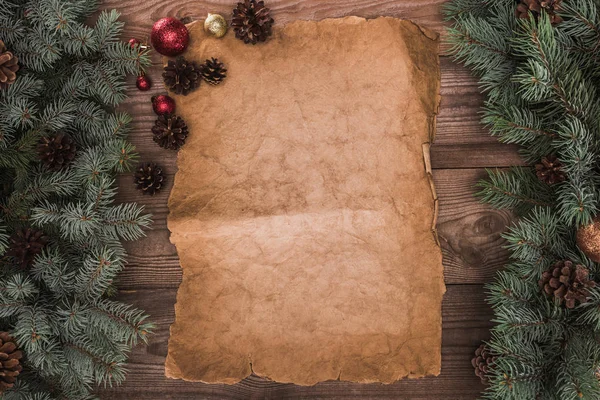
column 303, row 212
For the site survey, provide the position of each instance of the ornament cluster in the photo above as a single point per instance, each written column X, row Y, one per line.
column 251, row 22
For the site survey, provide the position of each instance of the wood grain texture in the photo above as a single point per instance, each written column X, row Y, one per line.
column 466, row 322
column 469, row 231
column 141, row 14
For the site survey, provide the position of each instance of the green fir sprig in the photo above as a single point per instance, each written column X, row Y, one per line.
column 71, row 76
column 542, row 84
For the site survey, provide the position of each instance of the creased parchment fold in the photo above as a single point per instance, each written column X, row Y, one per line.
column 303, row 211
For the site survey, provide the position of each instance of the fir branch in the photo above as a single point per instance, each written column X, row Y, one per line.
column 551, row 106
column 517, row 188
column 71, row 76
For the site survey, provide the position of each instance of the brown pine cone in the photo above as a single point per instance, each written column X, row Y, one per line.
column 252, row 21
column 549, row 170
column 25, row 244
column 482, row 362
column 170, row 131
column 213, row 71
column 56, row 151
column 568, row 283
column 8, row 66
column 524, row 7
column 10, row 364
column 149, row 178
column 181, row 76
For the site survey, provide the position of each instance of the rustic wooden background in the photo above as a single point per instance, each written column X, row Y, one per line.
column 469, row 232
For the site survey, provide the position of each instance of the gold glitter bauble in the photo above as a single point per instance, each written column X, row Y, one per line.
column 216, row 25
column 588, row 239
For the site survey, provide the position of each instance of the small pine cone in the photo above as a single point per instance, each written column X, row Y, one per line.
column 170, row 131
column 9, row 65
column 181, row 76
column 56, row 151
column 482, row 362
column 149, row 178
column 549, row 170
column 252, row 21
column 10, row 361
column 524, row 7
column 568, row 283
column 213, row 71
column 25, row 244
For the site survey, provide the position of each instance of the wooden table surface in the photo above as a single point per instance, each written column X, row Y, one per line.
column 469, row 231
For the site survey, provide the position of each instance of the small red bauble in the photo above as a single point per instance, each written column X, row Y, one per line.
column 134, row 42
column 169, row 36
column 163, row 104
column 143, row 83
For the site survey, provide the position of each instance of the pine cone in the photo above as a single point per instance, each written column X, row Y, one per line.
column 149, row 178
column 170, row 131
column 213, row 71
column 252, row 21
column 10, row 365
column 181, row 76
column 482, row 362
column 8, row 66
column 568, row 283
column 549, row 170
column 524, row 7
column 56, row 151
column 25, row 244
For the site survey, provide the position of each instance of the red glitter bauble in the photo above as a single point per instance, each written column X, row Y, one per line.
column 143, row 83
column 134, row 42
column 163, row 104
column 169, row 36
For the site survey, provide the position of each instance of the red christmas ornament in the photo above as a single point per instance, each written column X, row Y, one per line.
column 169, row 36
column 163, row 105
column 134, row 42
column 143, row 83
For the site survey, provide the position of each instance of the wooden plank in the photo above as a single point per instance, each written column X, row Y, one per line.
column 468, row 230
column 140, row 15
column 474, row 156
column 466, row 321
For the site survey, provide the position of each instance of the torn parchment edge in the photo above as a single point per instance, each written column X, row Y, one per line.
column 427, row 161
column 428, row 170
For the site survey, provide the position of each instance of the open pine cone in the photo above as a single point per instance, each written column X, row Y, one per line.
column 524, row 7
column 549, row 170
column 568, row 283
column 181, row 76
column 170, row 131
column 8, row 66
column 149, row 178
column 25, row 244
column 252, row 21
column 482, row 361
column 56, row 151
column 10, row 361
column 213, row 71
